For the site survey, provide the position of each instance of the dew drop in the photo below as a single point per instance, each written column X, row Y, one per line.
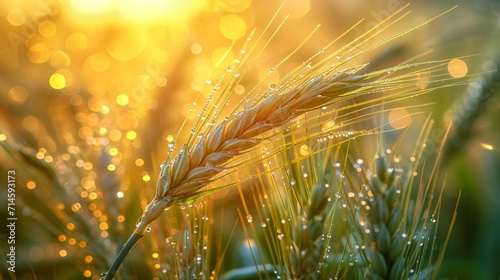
column 149, row 229
column 208, row 82
column 272, row 87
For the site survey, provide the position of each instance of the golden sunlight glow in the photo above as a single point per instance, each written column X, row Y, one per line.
column 135, row 10
column 399, row 118
column 94, row 7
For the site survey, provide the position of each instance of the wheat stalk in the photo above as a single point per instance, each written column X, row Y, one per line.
column 307, row 88
column 393, row 218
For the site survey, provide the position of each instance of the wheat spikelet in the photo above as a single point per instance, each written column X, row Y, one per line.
column 394, row 219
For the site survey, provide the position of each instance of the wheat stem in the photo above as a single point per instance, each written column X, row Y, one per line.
column 134, row 238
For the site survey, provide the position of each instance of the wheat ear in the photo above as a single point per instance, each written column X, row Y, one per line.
column 194, row 168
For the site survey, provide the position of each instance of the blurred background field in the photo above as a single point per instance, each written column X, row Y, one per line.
column 93, row 93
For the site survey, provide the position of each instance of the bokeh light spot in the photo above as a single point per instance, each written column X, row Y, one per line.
column 196, row 48
column 232, row 27
column 31, row 185
column 60, row 59
column 127, row 45
column 297, row 8
column 399, row 118
column 77, row 42
column 38, row 53
column 239, row 89
column 30, row 123
column 131, row 135
column 88, row 259
column 115, row 135
column 457, row 68
column 70, row 226
column 304, row 150
column 99, row 62
column 18, row 94
column 139, row 162
column 57, row 81
column 47, row 29
column 63, row 253
column 122, row 100
column 16, row 17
